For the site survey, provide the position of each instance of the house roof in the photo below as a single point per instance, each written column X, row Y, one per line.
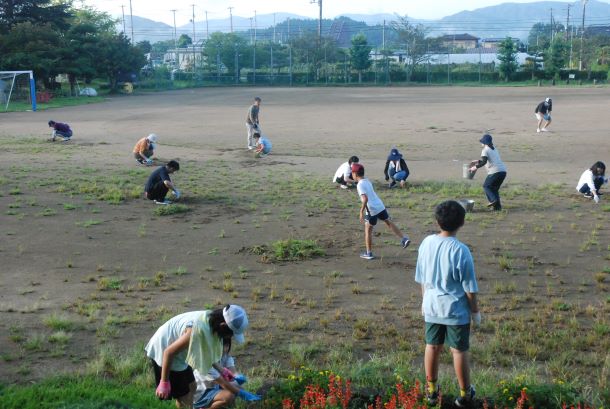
column 459, row 37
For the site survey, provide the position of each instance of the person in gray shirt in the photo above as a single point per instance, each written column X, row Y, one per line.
column 252, row 123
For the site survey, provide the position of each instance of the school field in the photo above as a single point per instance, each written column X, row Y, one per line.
column 88, row 265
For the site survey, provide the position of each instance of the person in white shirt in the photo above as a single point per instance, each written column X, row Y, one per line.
column 591, row 181
column 371, row 210
column 343, row 175
column 496, row 171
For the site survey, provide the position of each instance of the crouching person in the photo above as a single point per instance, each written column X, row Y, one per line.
column 159, row 183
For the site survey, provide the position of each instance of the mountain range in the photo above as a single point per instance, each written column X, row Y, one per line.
column 507, row 19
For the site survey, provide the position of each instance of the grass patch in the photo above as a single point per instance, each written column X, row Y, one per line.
column 292, row 250
column 168, row 210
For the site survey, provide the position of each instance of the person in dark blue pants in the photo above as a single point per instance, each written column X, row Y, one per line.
column 496, row 171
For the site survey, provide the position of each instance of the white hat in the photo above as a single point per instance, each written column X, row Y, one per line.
column 547, row 99
column 152, row 137
column 237, row 319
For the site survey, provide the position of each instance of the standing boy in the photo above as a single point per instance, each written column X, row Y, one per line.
column 159, row 183
column 543, row 113
column 372, row 209
column 445, row 271
column 60, row 129
column 252, row 123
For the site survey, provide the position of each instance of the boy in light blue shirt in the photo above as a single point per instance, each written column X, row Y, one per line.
column 445, row 271
column 263, row 145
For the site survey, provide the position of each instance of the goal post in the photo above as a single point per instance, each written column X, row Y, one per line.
column 12, row 77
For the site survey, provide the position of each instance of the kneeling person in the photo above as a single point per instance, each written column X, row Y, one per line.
column 263, row 145
column 60, row 129
column 343, row 175
column 159, row 183
column 144, row 149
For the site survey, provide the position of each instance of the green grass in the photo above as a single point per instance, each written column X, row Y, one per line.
column 291, row 250
column 168, row 210
column 53, row 103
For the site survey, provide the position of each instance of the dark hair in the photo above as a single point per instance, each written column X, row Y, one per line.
column 216, row 321
column 258, row 99
column 51, row 123
column 226, row 341
column 450, row 215
column 256, row 135
column 353, row 159
column 360, row 171
column 598, row 168
column 173, row 164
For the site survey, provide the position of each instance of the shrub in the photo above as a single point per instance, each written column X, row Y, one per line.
column 291, row 249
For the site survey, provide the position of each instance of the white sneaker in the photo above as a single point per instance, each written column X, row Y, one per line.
column 343, row 186
column 544, row 130
column 538, row 130
column 165, row 202
column 250, row 148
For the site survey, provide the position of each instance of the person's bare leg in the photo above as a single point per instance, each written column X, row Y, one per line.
column 462, row 368
column 186, row 401
column 368, row 237
column 540, row 123
column 223, row 399
column 394, row 228
column 547, row 123
column 431, row 361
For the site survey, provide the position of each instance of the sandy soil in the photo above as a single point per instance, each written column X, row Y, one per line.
column 53, row 265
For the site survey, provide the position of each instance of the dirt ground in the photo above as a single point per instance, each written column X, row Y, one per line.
column 95, row 263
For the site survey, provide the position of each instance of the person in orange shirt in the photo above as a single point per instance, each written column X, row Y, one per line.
column 144, row 149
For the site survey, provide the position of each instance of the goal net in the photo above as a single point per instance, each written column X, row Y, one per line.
column 17, row 91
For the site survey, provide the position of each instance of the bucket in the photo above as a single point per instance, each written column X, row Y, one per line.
column 466, row 173
column 467, row 204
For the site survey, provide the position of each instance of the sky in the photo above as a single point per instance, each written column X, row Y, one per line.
column 160, row 10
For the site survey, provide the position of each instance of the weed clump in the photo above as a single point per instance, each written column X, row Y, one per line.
column 293, row 250
column 171, row 209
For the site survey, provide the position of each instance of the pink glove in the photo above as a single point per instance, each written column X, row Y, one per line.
column 163, row 390
column 228, row 375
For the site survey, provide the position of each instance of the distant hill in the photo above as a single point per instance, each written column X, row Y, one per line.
column 507, row 19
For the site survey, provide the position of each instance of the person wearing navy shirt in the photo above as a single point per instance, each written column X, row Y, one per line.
column 159, row 183
column 60, row 129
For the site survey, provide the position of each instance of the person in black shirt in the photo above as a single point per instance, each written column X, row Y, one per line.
column 543, row 113
column 159, row 183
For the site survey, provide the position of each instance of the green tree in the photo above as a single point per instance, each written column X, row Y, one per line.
column 117, row 58
column 556, row 57
column 507, row 54
column 183, row 41
column 412, row 38
column 360, row 54
column 55, row 13
column 226, row 46
column 145, row 46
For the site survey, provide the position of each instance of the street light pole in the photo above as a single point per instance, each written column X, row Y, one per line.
column 207, row 27
column 582, row 33
column 231, row 16
column 131, row 17
column 175, row 43
column 123, row 10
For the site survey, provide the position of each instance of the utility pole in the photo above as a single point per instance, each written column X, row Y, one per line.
column 193, row 42
column 288, row 39
column 319, row 2
column 274, row 27
column 231, row 16
column 582, row 33
column 552, row 26
column 383, row 36
column 254, row 27
column 175, row 43
column 207, row 27
column 123, row 10
column 251, row 30
column 131, row 17
column 568, row 22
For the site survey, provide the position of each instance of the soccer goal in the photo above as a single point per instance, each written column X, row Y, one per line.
column 17, row 88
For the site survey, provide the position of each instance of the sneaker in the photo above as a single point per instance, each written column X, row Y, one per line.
column 544, row 130
column 367, row 255
column 491, row 204
column 392, row 184
column 66, row 140
column 589, row 195
column 165, row 202
column 250, row 148
column 538, row 130
column 432, row 398
column 405, row 242
column 343, row 186
column 463, row 401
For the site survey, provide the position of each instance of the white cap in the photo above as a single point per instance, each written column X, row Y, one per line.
column 547, row 99
column 152, row 137
column 237, row 319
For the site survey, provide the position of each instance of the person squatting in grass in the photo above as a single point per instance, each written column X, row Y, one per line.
column 144, row 149
column 159, row 183
column 60, row 129
column 591, row 181
column 371, row 210
column 496, row 171
column 216, row 389
column 445, row 271
column 543, row 113
column 396, row 169
column 263, row 145
column 252, row 121
column 343, row 175
column 192, row 341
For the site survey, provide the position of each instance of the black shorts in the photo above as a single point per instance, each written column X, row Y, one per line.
column 372, row 220
column 179, row 380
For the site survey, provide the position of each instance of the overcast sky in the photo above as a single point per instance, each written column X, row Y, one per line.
column 159, row 10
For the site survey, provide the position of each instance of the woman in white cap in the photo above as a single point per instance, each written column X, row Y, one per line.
column 193, row 340
column 144, row 149
column 543, row 113
column 496, row 171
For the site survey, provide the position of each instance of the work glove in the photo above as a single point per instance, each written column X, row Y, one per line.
column 476, row 319
column 163, row 390
column 149, row 162
column 240, row 379
column 177, row 194
column 247, row 396
column 228, row 375
column 596, row 198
